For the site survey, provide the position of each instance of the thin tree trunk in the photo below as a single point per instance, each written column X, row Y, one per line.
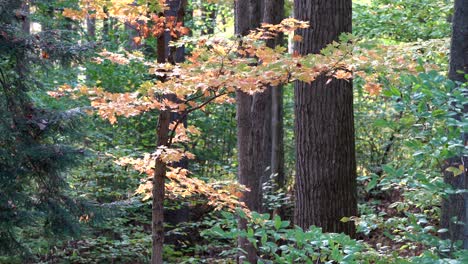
column 456, row 205
column 273, row 14
column 25, row 12
column 105, row 25
column 157, row 221
column 91, row 27
column 324, row 126
column 177, row 9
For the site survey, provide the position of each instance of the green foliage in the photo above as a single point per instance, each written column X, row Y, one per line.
column 411, row 140
column 403, row 20
column 278, row 242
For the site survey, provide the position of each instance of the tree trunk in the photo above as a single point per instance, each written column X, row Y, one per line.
column 159, row 177
column 25, row 13
column 324, row 127
column 249, row 171
column 157, row 216
column 456, row 205
column 91, row 27
column 176, row 8
column 105, row 25
column 273, row 14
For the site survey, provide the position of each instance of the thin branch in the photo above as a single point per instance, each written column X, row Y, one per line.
column 184, row 116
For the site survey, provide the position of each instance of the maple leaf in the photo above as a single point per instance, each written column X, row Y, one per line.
column 341, row 74
column 373, row 88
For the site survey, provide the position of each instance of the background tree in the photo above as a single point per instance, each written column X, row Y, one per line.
column 324, row 127
column 273, row 14
column 250, row 129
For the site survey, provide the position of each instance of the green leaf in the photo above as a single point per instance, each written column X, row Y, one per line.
column 456, row 171
column 372, row 183
column 277, row 220
column 345, row 219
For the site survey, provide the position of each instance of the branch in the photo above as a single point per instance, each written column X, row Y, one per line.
column 184, row 116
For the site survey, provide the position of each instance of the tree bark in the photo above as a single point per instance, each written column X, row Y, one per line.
column 455, row 206
column 273, row 14
column 157, row 216
column 324, row 127
column 159, row 177
column 249, row 134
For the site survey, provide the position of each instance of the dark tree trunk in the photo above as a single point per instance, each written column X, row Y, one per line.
column 157, row 216
column 105, row 26
column 249, row 171
column 324, row 126
column 456, row 205
column 158, row 192
column 176, row 8
column 273, row 14
column 91, row 27
column 459, row 43
column 26, row 22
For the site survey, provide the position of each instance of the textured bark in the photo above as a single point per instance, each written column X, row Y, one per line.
column 157, row 216
column 273, row 14
column 159, row 177
column 324, row 126
column 456, row 205
column 459, row 43
column 249, row 171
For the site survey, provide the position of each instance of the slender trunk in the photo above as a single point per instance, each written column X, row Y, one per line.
column 455, row 206
column 105, row 26
column 176, row 8
column 273, row 14
column 157, row 221
column 158, row 192
column 91, row 27
column 324, row 126
column 277, row 133
column 26, row 23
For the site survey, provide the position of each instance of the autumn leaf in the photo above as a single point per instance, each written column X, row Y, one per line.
column 373, row 88
column 341, row 74
column 137, row 40
column 297, row 38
